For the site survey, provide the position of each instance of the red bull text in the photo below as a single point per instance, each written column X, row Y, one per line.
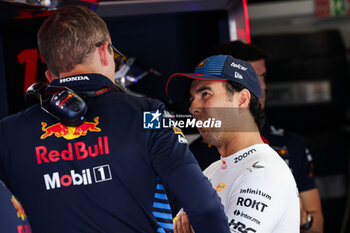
column 76, row 150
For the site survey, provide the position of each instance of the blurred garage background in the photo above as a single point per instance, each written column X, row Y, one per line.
column 308, row 75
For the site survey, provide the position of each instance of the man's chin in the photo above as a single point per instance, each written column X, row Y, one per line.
column 203, row 132
column 207, row 135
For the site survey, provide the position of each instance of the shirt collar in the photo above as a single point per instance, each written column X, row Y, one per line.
column 83, row 82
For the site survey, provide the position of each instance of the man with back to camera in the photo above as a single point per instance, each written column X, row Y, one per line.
column 107, row 173
column 289, row 146
column 255, row 185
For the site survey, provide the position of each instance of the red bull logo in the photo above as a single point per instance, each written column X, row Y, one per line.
column 282, row 151
column 202, row 64
column 69, row 132
column 20, row 212
column 223, row 165
column 178, row 131
column 73, row 151
column 24, row 229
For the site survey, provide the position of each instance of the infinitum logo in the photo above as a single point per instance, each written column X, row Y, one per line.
column 255, row 192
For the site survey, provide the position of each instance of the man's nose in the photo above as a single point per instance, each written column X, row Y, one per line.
column 195, row 108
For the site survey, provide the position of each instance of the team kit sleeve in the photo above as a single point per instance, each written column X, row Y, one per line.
column 2, row 152
column 12, row 216
column 179, row 171
column 306, row 181
column 254, row 205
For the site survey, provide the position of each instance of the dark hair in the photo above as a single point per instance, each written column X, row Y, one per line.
column 67, row 37
column 254, row 104
column 241, row 50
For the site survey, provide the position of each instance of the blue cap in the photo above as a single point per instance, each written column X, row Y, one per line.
column 214, row 68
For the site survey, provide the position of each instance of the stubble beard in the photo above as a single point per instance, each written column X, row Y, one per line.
column 210, row 136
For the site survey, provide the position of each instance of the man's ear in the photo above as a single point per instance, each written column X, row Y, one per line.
column 49, row 76
column 244, row 98
column 103, row 53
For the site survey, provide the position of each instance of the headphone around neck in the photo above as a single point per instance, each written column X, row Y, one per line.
column 64, row 105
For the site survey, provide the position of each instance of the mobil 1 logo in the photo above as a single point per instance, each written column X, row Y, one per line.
column 75, row 178
column 102, row 173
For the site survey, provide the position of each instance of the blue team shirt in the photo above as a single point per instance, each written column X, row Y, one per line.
column 293, row 150
column 110, row 174
column 12, row 216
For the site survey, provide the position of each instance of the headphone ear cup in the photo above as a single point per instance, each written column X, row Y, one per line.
column 68, row 107
column 34, row 93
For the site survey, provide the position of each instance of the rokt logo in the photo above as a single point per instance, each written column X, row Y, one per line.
column 69, row 132
column 247, row 202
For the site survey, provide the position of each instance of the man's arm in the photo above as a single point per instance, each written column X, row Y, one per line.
column 199, row 199
column 180, row 173
column 2, row 170
column 309, row 196
column 311, row 203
